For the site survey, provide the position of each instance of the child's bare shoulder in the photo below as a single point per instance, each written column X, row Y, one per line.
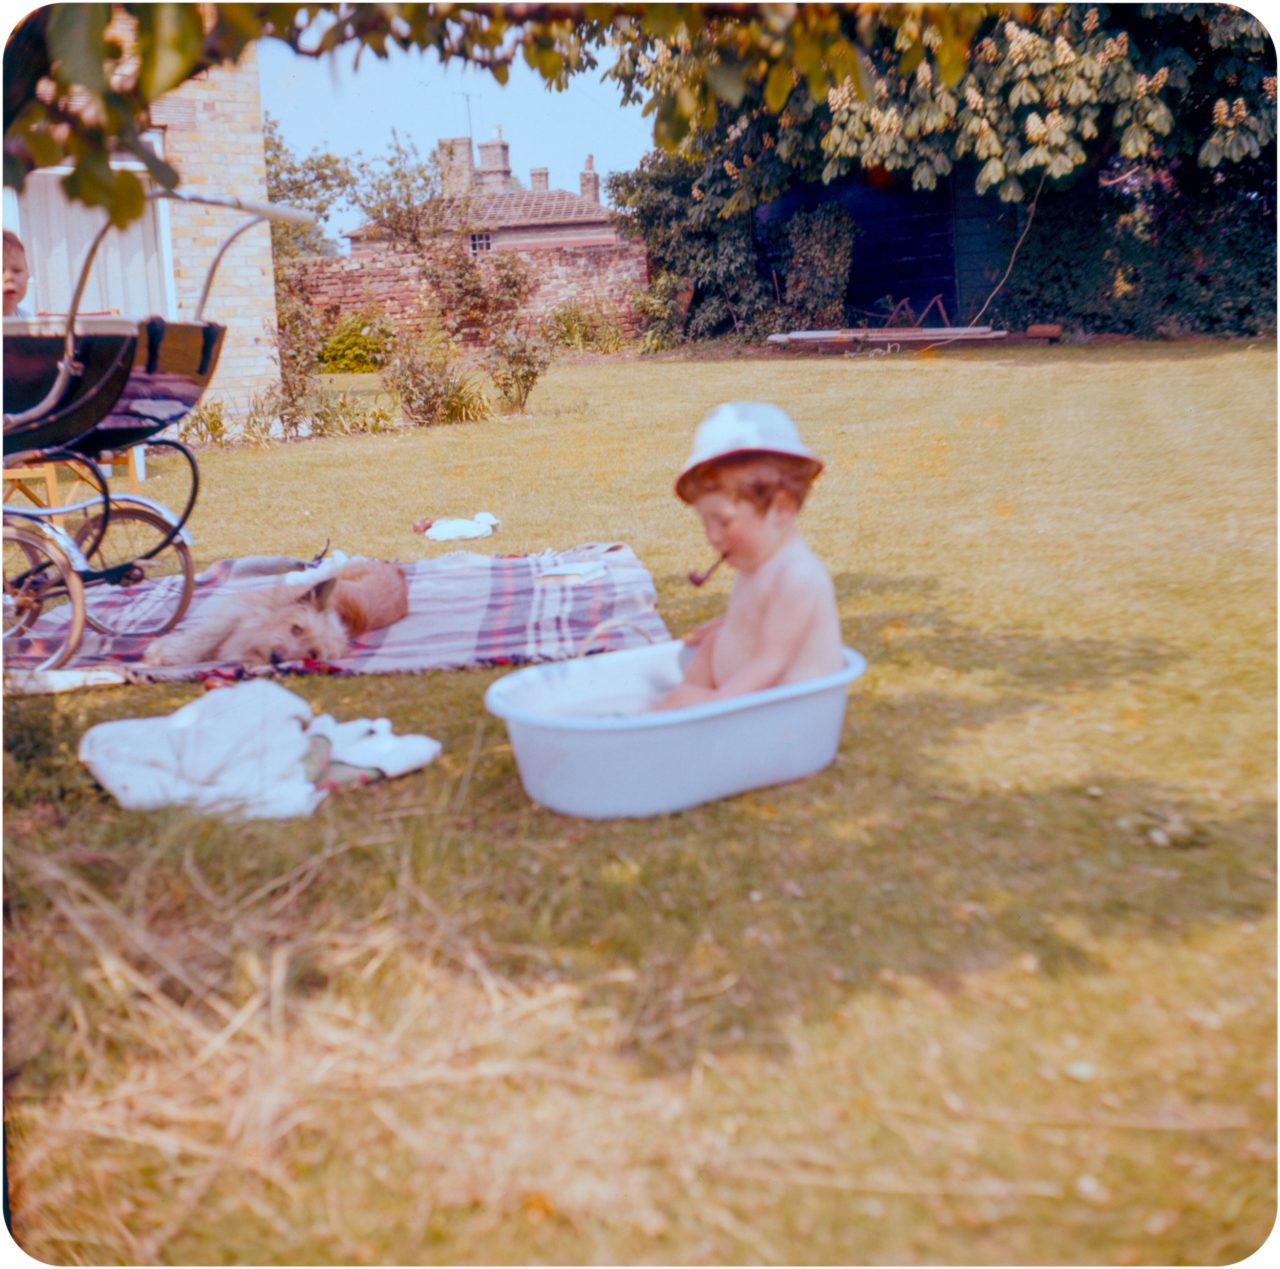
column 802, row 565
column 800, row 576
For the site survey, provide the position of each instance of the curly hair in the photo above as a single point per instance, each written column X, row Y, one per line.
column 757, row 478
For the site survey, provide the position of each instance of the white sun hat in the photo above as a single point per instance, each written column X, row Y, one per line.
column 743, row 427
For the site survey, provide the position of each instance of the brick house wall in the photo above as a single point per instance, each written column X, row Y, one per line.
column 587, row 273
column 573, row 250
column 213, row 135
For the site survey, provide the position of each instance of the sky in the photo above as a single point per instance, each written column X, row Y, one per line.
column 329, row 105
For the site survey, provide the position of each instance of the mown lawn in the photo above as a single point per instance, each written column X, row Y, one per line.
column 998, row 986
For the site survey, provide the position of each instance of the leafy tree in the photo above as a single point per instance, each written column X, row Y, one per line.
column 314, row 183
column 401, row 197
column 717, row 259
column 1161, row 116
column 1032, row 97
column 75, row 85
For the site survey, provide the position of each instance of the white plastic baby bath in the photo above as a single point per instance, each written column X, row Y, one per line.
column 585, row 746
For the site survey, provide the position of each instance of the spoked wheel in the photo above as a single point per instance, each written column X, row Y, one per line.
column 155, row 589
column 38, row 579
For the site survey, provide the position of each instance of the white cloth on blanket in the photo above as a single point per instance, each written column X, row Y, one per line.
column 239, row 751
column 323, row 569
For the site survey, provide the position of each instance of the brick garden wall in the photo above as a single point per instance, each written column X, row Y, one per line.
column 588, row 274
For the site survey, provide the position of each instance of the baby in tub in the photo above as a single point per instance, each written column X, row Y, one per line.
column 747, row 477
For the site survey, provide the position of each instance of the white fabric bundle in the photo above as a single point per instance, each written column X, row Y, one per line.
column 239, row 751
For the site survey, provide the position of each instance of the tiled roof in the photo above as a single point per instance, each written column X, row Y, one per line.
column 523, row 208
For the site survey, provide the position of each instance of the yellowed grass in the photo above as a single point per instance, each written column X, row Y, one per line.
column 996, row 987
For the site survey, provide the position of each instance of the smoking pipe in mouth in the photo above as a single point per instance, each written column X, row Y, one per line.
column 699, row 579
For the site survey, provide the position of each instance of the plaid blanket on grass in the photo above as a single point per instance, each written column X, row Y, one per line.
column 465, row 609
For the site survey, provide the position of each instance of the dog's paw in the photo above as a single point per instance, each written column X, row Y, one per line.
column 157, row 653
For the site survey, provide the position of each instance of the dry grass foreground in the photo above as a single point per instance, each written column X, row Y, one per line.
column 996, row 987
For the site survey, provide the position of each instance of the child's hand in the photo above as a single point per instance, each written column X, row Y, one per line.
column 699, row 633
column 685, row 694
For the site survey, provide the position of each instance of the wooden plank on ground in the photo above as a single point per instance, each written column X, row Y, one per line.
column 888, row 335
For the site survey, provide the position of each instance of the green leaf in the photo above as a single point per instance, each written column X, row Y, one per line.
column 77, row 44
column 1135, row 142
column 924, row 177
column 128, row 198
column 1024, row 92
column 863, row 75
column 91, row 180
column 170, row 45
column 992, row 174
column 671, row 124
column 1079, row 91
column 1160, row 119
column 662, row 20
column 777, row 88
column 727, row 81
column 1037, row 156
column 32, row 130
column 548, row 62
column 818, row 82
column 952, row 56
column 1011, row 190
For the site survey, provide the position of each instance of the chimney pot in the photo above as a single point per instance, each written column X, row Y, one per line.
column 457, row 166
column 494, row 173
column 589, row 181
column 539, row 179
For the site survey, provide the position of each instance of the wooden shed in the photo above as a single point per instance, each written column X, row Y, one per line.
column 913, row 245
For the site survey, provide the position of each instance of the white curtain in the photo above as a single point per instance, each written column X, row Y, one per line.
column 128, row 271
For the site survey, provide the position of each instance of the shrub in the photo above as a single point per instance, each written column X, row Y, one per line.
column 263, row 418
column 475, row 294
column 662, row 313
column 1160, row 263
column 359, row 344
column 515, row 363
column 590, row 327
column 205, row 424
column 341, row 416
column 297, row 347
column 433, row 387
column 816, row 257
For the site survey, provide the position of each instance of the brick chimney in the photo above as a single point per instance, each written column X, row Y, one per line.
column 494, row 173
column 539, row 179
column 589, row 181
column 457, row 169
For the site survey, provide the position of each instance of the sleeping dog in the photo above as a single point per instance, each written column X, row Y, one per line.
column 289, row 622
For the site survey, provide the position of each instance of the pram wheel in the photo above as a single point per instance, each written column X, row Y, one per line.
column 38, row 578
column 156, row 589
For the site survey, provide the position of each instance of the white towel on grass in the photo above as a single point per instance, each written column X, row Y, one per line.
column 450, row 530
column 241, row 752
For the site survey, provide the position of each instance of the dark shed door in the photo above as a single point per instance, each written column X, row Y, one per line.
column 905, row 248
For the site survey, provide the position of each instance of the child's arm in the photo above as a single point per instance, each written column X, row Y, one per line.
column 700, row 633
column 698, row 679
column 788, row 618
